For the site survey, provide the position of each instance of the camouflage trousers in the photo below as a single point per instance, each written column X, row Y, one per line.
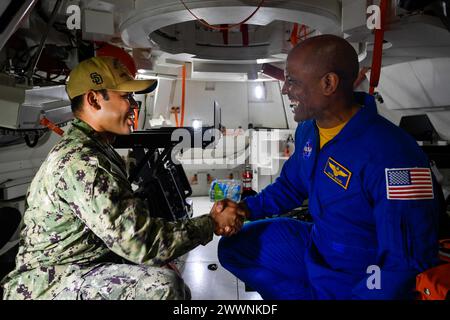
column 129, row 282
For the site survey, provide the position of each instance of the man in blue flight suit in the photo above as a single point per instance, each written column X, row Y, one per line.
column 370, row 189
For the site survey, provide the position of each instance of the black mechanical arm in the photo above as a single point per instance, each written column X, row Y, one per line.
column 161, row 180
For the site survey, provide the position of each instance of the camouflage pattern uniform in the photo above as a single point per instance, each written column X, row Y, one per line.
column 82, row 219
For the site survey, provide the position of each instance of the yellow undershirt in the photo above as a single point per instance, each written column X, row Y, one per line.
column 328, row 134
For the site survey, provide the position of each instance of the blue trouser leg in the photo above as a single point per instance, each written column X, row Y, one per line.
column 268, row 255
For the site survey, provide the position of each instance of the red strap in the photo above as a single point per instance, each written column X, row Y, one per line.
column 224, row 33
column 47, row 123
column 173, row 266
column 294, row 35
column 378, row 49
column 244, row 31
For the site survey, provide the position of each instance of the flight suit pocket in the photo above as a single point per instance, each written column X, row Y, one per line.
column 348, row 205
column 341, row 199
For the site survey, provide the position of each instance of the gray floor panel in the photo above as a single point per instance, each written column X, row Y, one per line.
column 244, row 295
column 206, row 284
column 203, row 253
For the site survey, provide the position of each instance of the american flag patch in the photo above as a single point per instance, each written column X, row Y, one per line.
column 409, row 184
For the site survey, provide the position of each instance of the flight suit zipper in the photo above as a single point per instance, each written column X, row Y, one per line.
column 312, row 175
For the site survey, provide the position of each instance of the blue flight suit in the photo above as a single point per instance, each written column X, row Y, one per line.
column 361, row 244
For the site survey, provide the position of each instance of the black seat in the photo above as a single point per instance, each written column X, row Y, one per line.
column 9, row 222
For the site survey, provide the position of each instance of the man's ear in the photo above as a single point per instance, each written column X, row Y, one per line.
column 329, row 83
column 91, row 99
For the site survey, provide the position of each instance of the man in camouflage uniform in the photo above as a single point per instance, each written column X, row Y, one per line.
column 82, row 218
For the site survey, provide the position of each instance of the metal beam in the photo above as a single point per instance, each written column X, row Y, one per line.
column 14, row 18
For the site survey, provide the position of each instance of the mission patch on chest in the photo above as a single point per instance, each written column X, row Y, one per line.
column 337, row 172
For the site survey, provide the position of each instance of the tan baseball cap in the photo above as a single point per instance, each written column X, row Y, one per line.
column 105, row 73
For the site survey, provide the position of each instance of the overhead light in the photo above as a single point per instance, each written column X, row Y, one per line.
column 270, row 60
column 196, row 124
column 259, row 92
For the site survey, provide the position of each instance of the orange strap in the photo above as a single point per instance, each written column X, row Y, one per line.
column 177, row 124
column 136, row 118
column 47, row 123
column 175, row 110
column 294, row 35
column 183, row 93
column 299, row 33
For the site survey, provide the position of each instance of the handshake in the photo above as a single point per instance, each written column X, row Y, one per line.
column 228, row 217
